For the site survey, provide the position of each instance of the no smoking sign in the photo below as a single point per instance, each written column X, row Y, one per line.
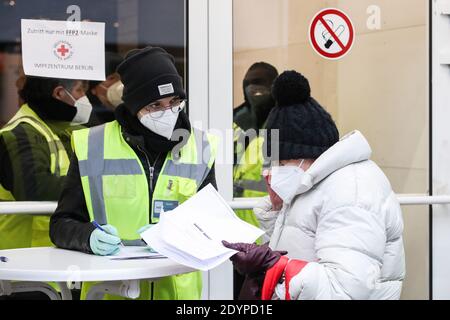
column 331, row 34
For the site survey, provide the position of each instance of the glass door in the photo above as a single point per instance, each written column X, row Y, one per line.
column 380, row 88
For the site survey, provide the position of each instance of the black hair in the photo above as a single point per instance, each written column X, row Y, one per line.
column 37, row 89
column 270, row 71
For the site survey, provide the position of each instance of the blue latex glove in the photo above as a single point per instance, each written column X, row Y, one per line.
column 150, row 249
column 105, row 243
column 143, row 229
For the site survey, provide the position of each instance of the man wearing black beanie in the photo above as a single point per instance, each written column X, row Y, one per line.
column 335, row 223
column 125, row 173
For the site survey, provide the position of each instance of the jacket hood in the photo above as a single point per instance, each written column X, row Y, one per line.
column 352, row 148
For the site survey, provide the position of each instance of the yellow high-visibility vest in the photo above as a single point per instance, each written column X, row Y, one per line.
column 115, row 187
column 23, row 231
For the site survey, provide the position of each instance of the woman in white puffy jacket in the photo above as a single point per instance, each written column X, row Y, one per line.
column 340, row 221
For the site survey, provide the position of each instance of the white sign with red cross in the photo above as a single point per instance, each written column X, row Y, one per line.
column 63, row 49
column 331, row 34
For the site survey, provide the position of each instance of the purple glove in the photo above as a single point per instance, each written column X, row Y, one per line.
column 253, row 259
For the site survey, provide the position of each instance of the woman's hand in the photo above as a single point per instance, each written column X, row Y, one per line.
column 253, row 259
column 277, row 202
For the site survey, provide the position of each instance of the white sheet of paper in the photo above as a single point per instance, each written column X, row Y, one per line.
column 63, row 49
column 183, row 257
column 192, row 233
column 134, row 252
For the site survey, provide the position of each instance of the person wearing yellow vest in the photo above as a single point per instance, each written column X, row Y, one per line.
column 34, row 154
column 125, row 172
column 249, row 118
column 258, row 102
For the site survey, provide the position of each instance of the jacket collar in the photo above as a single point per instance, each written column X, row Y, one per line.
column 352, row 148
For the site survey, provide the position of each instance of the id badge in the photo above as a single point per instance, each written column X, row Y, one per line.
column 166, row 205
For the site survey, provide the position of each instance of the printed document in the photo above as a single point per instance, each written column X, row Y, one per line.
column 192, row 233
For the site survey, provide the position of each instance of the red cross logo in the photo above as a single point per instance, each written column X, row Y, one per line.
column 62, row 50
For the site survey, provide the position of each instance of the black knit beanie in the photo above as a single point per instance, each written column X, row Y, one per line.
column 306, row 130
column 148, row 75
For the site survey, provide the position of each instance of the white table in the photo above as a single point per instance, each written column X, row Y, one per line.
column 29, row 269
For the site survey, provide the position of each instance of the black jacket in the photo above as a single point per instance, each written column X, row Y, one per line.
column 70, row 226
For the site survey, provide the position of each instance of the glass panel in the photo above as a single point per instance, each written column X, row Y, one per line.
column 129, row 24
column 380, row 88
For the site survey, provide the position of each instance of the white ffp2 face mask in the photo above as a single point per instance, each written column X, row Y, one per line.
column 114, row 93
column 286, row 181
column 163, row 125
column 84, row 110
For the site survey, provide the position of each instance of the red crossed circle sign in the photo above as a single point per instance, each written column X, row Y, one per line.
column 331, row 33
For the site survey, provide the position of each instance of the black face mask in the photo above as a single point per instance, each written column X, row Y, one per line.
column 260, row 101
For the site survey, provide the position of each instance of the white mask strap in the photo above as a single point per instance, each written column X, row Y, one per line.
column 67, row 91
column 301, row 163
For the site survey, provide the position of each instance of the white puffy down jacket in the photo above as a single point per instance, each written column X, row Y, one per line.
column 347, row 227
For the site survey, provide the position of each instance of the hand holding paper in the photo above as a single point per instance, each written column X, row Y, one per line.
column 192, row 233
column 252, row 258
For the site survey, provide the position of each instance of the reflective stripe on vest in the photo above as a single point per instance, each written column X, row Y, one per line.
column 197, row 171
column 97, row 166
column 252, row 185
column 248, row 174
column 180, row 179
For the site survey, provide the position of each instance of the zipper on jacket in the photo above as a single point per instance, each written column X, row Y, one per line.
column 151, row 168
column 151, row 171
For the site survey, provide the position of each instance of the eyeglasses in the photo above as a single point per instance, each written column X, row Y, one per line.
column 156, row 110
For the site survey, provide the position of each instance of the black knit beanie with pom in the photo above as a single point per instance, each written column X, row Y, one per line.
column 306, row 129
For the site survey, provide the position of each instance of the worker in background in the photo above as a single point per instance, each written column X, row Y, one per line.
column 106, row 95
column 35, row 151
column 125, row 172
column 338, row 234
column 253, row 112
column 249, row 118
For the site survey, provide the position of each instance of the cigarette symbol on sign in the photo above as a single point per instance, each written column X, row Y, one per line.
column 331, row 33
column 328, row 38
